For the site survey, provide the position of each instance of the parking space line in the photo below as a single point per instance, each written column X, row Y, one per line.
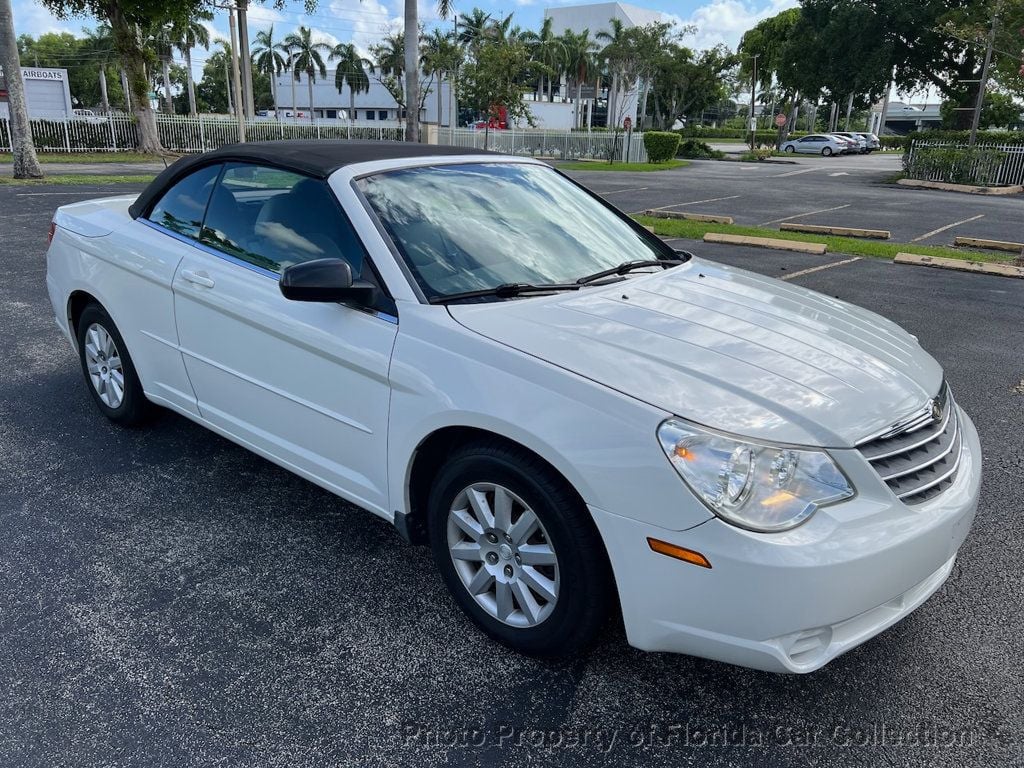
column 692, row 202
column 801, row 215
column 819, row 268
column 617, row 191
column 926, row 235
column 794, row 173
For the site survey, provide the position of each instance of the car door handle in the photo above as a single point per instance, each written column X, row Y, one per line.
column 199, row 278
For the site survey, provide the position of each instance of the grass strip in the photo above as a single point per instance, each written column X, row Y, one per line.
column 600, row 165
column 695, row 230
column 89, row 157
column 76, row 179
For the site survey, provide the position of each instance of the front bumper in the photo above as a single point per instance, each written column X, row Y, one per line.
column 791, row 602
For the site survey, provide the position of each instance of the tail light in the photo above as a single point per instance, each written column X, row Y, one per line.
column 53, row 229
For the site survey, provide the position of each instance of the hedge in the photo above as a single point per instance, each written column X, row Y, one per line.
column 960, row 137
column 695, row 148
column 955, row 165
column 661, row 145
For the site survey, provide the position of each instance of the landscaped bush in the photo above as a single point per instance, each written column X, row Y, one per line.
column 661, row 146
column 698, row 149
column 953, row 164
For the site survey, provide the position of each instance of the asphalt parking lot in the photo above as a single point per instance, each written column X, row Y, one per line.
column 170, row 599
column 850, row 191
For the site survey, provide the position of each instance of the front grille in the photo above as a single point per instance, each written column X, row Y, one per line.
column 918, row 458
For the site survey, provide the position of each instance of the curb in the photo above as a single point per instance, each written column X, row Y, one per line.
column 1000, row 270
column 875, row 234
column 705, row 217
column 969, row 188
column 766, row 242
column 992, row 245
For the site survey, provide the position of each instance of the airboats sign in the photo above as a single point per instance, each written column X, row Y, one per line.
column 46, row 93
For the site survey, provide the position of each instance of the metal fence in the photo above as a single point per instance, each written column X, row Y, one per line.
column 983, row 164
column 560, row 145
column 118, row 133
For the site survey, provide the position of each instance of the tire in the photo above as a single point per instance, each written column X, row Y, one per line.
column 790, row 149
column 115, row 388
column 580, row 577
column 826, row 151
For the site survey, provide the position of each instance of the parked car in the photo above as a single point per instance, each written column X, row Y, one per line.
column 859, row 141
column 817, row 144
column 873, row 143
column 574, row 416
column 87, row 115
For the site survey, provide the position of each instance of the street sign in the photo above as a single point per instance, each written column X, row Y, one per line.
column 780, row 120
column 627, row 123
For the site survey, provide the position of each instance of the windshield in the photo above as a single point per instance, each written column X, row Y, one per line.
column 477, row 226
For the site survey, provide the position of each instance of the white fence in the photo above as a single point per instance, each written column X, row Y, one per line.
column 560, row 145
column 984, row 164
column 119, row 133
column 187, row 134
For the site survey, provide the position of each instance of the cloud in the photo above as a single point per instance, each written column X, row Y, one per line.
column 725, row 21
column 35, row 20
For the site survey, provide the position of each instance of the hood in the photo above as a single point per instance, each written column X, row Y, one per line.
column 728, row 349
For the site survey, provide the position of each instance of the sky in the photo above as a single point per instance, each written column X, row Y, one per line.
column 364, row 22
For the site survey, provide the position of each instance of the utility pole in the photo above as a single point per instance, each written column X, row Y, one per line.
column 983, row 83
column 236, row 82
column 227, row 86
column 245, row 58
column 753, row 90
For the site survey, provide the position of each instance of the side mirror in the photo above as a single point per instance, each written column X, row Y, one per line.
column 327, row 280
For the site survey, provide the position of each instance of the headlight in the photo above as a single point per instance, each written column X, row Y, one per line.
column 755, row 486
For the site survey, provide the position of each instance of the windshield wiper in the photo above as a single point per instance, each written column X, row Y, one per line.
column 506, row 291
column 629, row 266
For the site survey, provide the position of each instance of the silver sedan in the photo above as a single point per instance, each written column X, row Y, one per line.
column 816, row 144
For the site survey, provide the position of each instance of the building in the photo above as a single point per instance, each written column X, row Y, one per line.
column 46, row 93
column 376, row 105
column 903, row 118
column 596, row 17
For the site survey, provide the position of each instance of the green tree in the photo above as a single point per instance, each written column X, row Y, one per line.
column 493, row 79
column 579, row 63
column 308, row 57
column 270, row 59
column 547, row 49
column 350, row 72
column 184, row 37
column 441, row 56
column 412, row 64
column 1000, row 110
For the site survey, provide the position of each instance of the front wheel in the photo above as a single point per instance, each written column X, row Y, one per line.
column 827, row 151
column 108, row 369
column 518, row 550
column 790, row 149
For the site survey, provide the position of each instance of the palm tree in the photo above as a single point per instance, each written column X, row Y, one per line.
column 162, row 41
column 441, row 55
column 473, row 27
column 307, row 58
column 613, row 51
column 351, row 71
column 412, row 64
column 579, row 63
column 548, row 50
column 268, row 60
column 26, row 163
column 187, row 36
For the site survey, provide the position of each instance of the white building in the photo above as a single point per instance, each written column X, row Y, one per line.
column 46, row 93
column 376, row 105
column 596, row 17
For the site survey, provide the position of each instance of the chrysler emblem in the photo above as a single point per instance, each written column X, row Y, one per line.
column 936, row 411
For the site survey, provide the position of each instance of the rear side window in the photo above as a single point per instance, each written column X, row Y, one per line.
column 272, row 219
column 182, row 207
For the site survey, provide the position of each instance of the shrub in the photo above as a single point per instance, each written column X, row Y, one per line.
column 698, row 149
column 661, row 146
column 761, row 153
column 953, row 164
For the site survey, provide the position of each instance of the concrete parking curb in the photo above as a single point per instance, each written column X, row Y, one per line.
column 766, row 242
column 1001, row 270
column 875, row 234
column 992, row 245
column 969, row 188
column 705, row 217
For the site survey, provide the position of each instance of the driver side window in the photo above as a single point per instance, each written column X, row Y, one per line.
column 272, row 218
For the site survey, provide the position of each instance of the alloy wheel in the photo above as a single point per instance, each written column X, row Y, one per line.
column 103, row 362
column 503, row 555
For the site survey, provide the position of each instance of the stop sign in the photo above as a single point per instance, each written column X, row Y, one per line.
column 780, row 120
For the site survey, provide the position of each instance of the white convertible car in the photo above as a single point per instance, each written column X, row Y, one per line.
column 578, row 419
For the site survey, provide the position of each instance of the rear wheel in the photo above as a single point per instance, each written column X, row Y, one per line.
column 108, row 369
column 518, row 550
column 827, row 151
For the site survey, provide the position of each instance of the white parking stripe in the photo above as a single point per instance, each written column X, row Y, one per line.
column 801, row 215
column 692, row 202
column 926, row 235
column 818, row 269
column 618, row 191
column 794, row 173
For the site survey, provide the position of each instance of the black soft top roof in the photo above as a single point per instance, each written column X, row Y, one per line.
column 319, row 158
